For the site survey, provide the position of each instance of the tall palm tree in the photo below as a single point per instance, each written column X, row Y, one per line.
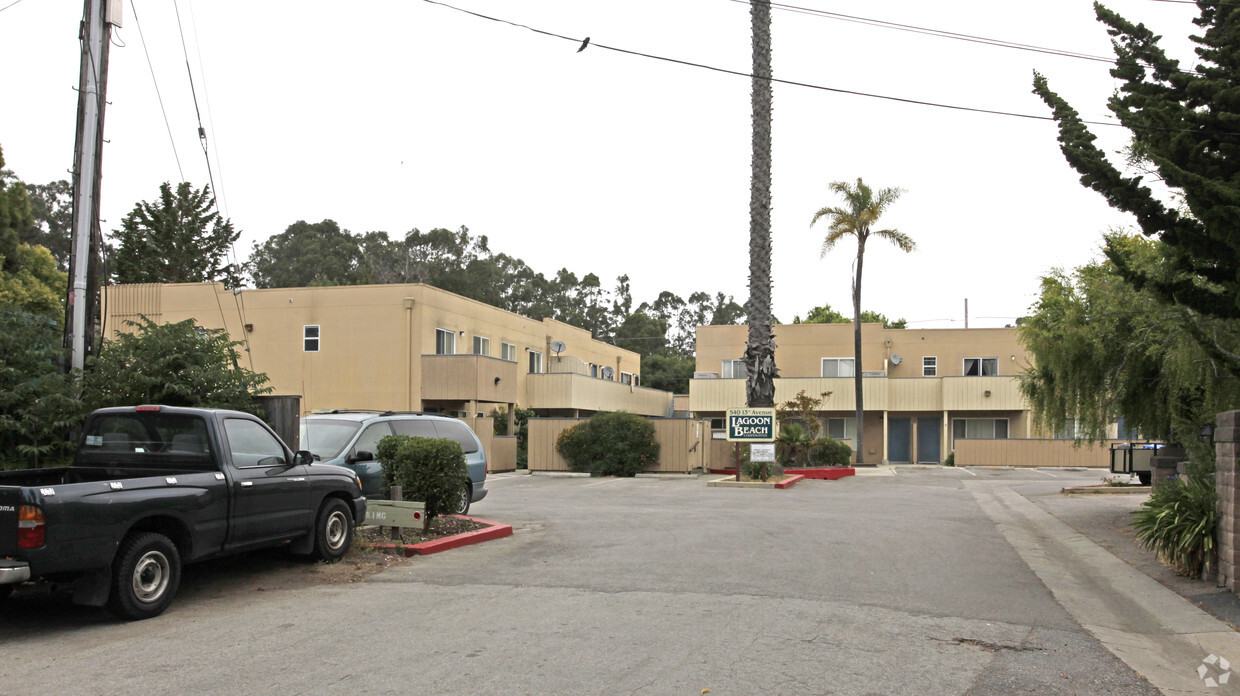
column 861, row 211
column 760, row 348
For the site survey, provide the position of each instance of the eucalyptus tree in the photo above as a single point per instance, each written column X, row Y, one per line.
column 862, row 209
column 760, row 347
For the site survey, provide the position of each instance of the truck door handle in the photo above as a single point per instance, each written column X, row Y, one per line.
column 247, row 484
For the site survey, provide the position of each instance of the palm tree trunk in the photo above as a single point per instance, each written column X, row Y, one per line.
column 760, row 348
column 859, row 444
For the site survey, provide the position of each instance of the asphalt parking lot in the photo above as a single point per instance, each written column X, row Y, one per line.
column 878, row 584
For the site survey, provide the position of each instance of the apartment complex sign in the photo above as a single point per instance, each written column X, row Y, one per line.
column 751, row 425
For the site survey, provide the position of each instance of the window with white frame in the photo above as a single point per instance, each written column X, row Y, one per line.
column 626, row 377
column 482, row 346
column 508, row 351
column 593, row 370
column 733, row 369
column 843, row 429
column 837, row 367
column 981, row 367
column 445, row 342
column 979, row 428
column 1069, row 430
column 310, row 338
column 535, row 362
column 929, row 366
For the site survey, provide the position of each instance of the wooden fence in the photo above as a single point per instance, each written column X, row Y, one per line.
column 1031, row 453
column 683, row 444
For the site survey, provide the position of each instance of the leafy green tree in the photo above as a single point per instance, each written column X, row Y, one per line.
column 861, row 211
column 30, row 281
column 1183, row 125
column 825, row 315
column 760, row 343
column 643, row 334
column 306, row 255
column 38, row 404
column 1103, row 349
column 178, row 364
column 667, row 372
column 177, row 239
column 51, row 207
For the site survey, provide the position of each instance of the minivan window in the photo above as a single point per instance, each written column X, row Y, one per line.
column 415, row 428
column 326, row 438
column 454, row 430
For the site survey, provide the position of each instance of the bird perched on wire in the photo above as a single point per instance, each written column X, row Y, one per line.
column 584, row 44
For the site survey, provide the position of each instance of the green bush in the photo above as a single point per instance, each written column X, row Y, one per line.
column 827, row 452
column 792, row 444
column 761, row 471
column 951, row 460
column 610, row 444
column 1178, row 522
column 427, row 470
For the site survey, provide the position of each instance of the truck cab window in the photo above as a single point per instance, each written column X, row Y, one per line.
column 251, row 444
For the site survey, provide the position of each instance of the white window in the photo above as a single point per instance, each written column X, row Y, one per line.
column 626, row 377
column 482, row 346
column 310, row 338
column 843, row 429
column 837, row 367
column 979, row 428
column 929, row 366
column 593, row 370
column 535, row 362
column 1068, row 431
column 445, row 342
column 981, row 367
column 734, row 369
column 508, row 351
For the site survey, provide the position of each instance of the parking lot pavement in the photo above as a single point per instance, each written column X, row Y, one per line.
column 869, row 585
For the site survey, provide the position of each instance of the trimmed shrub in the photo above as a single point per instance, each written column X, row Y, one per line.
column 610, row 444
column 951, row 460
column 827, row 452
column 1178, row 522
column 428, row 470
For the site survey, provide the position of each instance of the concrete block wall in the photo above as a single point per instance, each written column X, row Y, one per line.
column 1226, row 444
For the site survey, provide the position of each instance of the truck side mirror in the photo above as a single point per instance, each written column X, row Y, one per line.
column 302, row 458
column 362, row 456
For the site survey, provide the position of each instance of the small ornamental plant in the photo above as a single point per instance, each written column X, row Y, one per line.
column 1178, row 522
column 610, row 444
column 828, row 452
column 428, row 470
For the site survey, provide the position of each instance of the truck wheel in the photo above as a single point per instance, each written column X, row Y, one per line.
column 334, row 530
column 145, row 576
column 466, row 495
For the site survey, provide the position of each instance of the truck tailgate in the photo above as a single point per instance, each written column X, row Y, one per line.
column 10, row 499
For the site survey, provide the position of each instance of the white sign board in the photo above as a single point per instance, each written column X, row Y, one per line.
column 761, row 453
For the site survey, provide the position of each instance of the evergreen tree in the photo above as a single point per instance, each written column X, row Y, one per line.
column 177, row 239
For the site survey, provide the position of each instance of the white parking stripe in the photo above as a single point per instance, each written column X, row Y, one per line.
column 603, row 483
column 1046, row 472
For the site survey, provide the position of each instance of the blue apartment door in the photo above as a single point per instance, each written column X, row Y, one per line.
column 929, row 440
column 898, row 431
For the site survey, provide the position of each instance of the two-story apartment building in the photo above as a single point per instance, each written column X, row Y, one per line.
column 923, row 389
column 407, row 347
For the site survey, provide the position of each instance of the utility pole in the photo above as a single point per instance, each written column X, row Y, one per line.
column 95, row 34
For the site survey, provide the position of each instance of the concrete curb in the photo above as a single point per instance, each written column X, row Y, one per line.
column 493, row 530
column 561, row 474
column 1104, row 490
column 730, row 482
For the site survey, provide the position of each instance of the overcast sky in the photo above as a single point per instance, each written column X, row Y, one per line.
column 399, row 114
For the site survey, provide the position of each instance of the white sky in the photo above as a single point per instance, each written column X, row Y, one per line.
column 395, row 114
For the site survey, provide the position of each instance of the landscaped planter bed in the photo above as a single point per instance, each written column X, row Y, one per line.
column 824, row 473
column 488, row 531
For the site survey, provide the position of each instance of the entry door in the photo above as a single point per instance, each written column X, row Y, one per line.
column 898, row 431
column 929, row 439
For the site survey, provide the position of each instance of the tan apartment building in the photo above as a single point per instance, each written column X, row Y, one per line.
column 923, row 389
column 403, row 348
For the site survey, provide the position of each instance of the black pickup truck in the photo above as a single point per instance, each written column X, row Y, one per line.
column 152, row 487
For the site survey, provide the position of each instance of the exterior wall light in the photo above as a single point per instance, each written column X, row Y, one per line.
column 1207, row 434
column 987, row 393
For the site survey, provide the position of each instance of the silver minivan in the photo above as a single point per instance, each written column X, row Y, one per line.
column 350, row 438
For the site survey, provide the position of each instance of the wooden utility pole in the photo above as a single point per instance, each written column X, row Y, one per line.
column 95, row 35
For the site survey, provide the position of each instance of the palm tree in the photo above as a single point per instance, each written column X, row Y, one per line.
column 760, row 348
column 861, row 210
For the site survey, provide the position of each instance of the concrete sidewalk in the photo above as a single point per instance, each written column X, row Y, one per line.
column 1163, row 636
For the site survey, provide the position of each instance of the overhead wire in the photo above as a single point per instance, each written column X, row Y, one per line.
column 164, row 111
column 808, row 85
column 2, row 9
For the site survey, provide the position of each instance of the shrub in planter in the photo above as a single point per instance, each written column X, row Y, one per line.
column 951, row 460
column 792, row 444
column 761, row 471
column 610, row 444
column 1178, row 522
column 427, row 470
column 827, row 452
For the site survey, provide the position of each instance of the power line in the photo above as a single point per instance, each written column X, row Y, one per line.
column 794, row 83
column 1001, row 43
column 160, row 97
column 2, row 9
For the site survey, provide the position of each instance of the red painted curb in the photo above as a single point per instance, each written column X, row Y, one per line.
column 826, row 473
column 494, row 530
column 789, row 482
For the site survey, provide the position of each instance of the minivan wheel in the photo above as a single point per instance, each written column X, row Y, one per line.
column 467, row 494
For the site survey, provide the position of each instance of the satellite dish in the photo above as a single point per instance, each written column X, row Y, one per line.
column 608, row 372
column 896, row 359
column 558, row 347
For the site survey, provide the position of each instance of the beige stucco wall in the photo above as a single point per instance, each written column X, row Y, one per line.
column 371, row 339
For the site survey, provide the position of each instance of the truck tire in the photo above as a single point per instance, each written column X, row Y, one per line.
column 145, row 576
column 333, row 532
